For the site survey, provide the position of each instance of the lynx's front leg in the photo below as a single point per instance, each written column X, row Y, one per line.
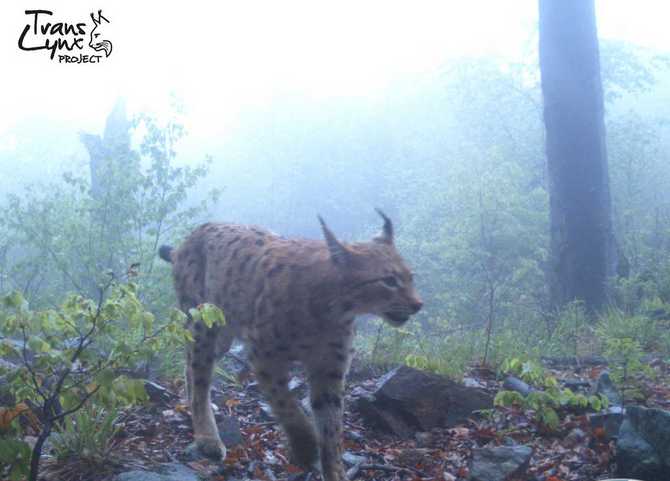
column 326, row 380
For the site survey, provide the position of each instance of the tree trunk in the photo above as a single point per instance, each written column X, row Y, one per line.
column 583, row 252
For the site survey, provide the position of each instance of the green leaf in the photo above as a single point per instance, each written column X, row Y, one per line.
column 195, row 314
column 211, row 315
column 38, row 345
column 16, row 301
column 106, row 377
column 549, row 418
column 148, row 322
column 177, row 316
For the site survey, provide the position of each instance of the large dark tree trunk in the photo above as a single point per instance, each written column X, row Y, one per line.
column 583, row 253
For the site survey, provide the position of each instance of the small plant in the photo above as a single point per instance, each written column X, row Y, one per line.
column 616, row 324
column 529, row 371
column 549, row 399
column 572, row 326
column 87, row 436
column 625, row 359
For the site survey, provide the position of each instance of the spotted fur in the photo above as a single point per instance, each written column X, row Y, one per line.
column 288, row 300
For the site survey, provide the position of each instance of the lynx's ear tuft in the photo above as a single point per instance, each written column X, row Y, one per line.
column 386, row 237
column 338, row 252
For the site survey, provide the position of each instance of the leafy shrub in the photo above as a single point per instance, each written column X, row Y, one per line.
column 75, row 354
column 625, row 362
column 549, row 399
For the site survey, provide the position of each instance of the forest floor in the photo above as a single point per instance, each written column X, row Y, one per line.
column 160, row 432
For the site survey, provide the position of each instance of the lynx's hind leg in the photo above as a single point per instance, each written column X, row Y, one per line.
column 202, row 357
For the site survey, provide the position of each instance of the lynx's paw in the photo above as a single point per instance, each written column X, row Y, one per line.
column 211, row 448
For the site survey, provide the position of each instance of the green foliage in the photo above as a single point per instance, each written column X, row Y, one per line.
column 209, row 314
column 14, row 458
column 626, row 367
column 73, row 356
column 572, row 328
column 549, row 399
column 86, row 436
column 640, row 328
column 528, row 371
column 66, row 237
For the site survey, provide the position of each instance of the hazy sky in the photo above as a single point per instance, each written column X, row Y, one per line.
column 221, row 57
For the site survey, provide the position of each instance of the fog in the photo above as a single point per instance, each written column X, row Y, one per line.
column 246, row 67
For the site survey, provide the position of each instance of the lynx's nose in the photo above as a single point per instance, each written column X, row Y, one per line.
column 416, row 306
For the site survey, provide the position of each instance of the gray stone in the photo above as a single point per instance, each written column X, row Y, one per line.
column 408, row 400
column 609, row 421
column 158, row 394
column 500, row 463
column 606, row 387
column 377, row 416
column 353, row 459
column 643, row 446
column 576, row 385
column 165, row 472
column 512, row 383
column 229, row 431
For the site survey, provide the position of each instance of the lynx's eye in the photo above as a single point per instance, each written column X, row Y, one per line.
column 390, row 282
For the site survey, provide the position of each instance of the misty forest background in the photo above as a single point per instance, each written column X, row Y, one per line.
column 457, row 160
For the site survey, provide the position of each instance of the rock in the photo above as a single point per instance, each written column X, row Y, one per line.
column 166, row 472
column 606, row 387
column 575, row 437
column 512, row 383
column 413, row 457
column 576, row 385
column 229, row 431
column 609, row 421
column 586, row 361
column 408, row 400
column 500, row 463
column 158, row 394
column 472, row 382
column 643, row 446
column 377, row 416
column 424, row 440
column 353, row 459
column 236, row 362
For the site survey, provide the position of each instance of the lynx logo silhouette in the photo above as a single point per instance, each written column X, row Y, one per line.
column 66, row 41
column 98, row 41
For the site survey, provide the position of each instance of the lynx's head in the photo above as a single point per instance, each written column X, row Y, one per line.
column 375, row 278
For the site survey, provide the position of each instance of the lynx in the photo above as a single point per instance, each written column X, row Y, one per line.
column 287, row 300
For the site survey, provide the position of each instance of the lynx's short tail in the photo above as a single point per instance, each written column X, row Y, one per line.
column 165, row 253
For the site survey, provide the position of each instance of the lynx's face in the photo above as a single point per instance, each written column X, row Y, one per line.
column 375, row 278
column 381, row 284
